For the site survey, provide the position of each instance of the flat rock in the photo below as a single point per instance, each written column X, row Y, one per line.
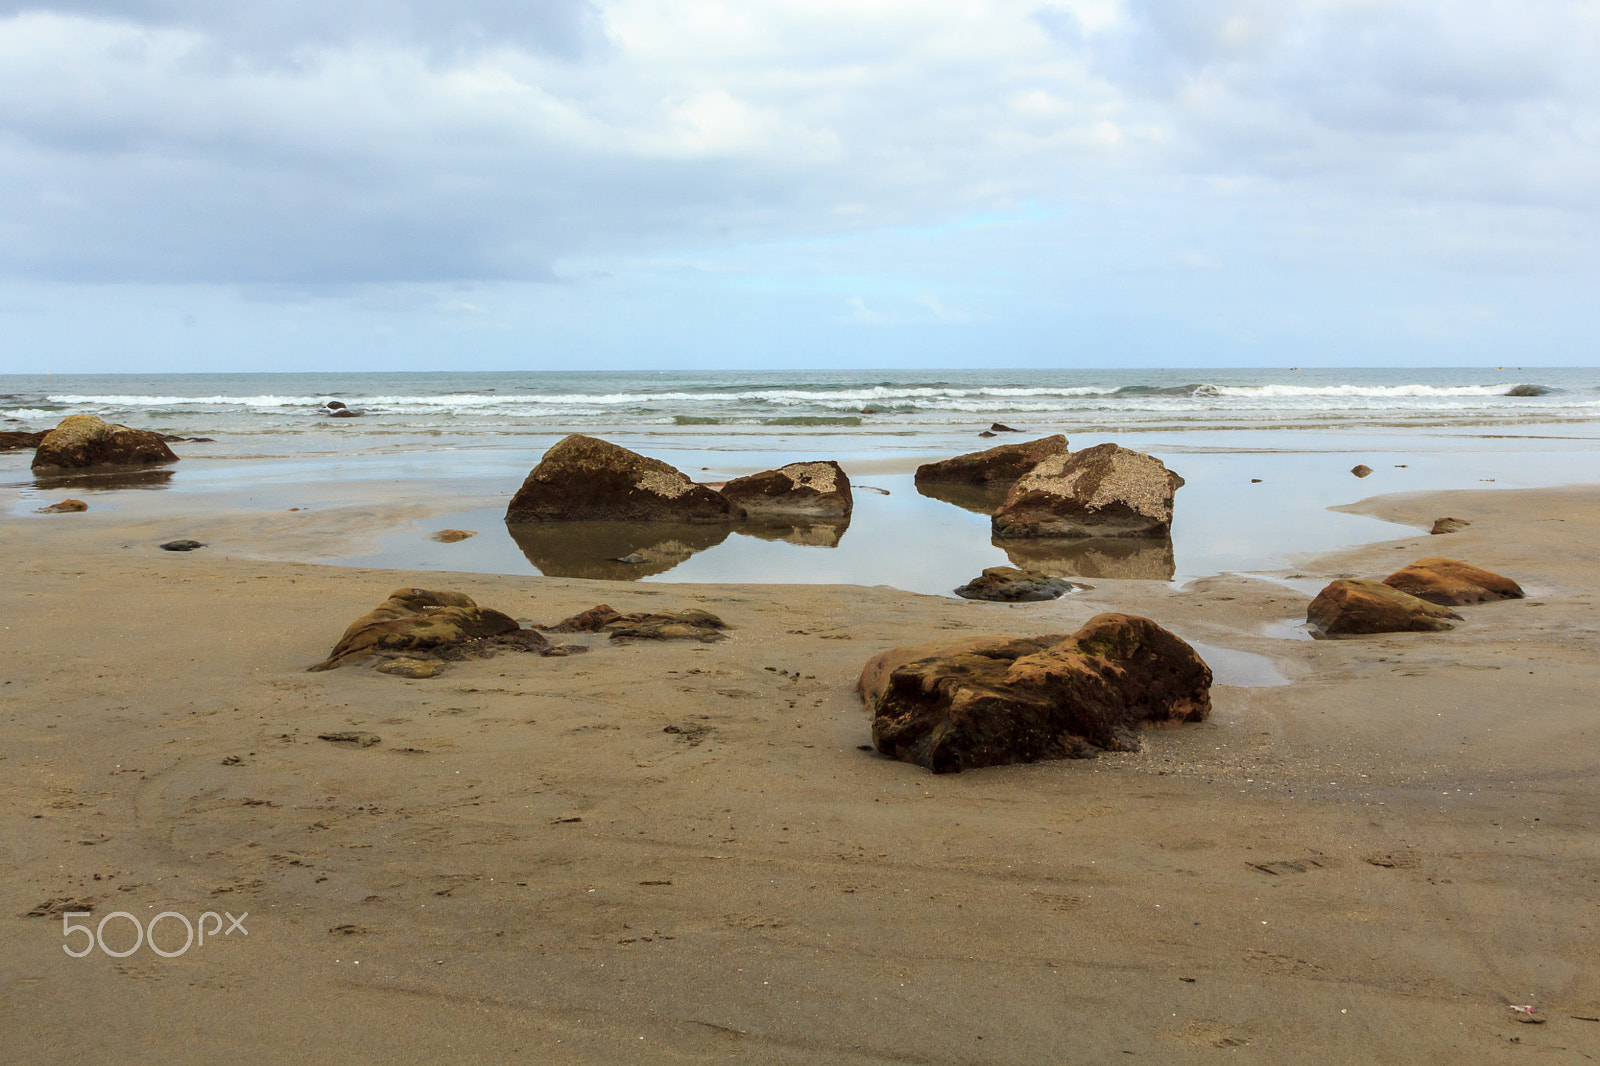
column 181, row 545
column 1007, row 584
column 993, row 701
column 413, row 620
column 356, row 737
column 1002, row 464
column 84, row 442
column 408, row 667
column 692, row 624
column 12, row 441
column 64, row 507
column 1349, row 607
column 1452, row 582
column 1448, row 525
column 586, row 479
column 820, row 487
column 1104, row 491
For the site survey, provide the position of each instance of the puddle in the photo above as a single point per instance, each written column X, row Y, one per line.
column 1240, row 669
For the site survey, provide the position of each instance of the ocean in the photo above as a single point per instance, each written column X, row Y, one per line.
column 1265, row 454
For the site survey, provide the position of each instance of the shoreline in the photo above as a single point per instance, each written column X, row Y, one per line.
column 557, row 857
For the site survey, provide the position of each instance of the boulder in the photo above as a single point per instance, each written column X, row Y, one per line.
column 1452, row 583
column 582, row 478
column 82, row 441
column 1349, row 607
column 15, row 442
column 997, row 701
column 417, row 620
column 1448, row 525
column 692, row 624
column 999, row 465
column 64, row 507
column 813, row 488
column 1104, row 491
column 1007, row 584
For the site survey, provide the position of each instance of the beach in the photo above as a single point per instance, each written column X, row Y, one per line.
column 1371, row 851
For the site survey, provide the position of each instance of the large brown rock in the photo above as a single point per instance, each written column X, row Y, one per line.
column 1104, row 491
column 585, row 479
column 813, row 488
column 82, row 441
column 997, row 701
column 993, row 466
column 419, row 620
column 1452, row 582
column 1349, row 607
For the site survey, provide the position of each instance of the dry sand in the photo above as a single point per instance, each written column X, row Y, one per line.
column 678, row 853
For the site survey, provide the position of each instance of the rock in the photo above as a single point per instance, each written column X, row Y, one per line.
column 1349, row 607
column 1002, row 464
column 64, row 507
column 451, row 536
column 1361, row 470
column 681, row 625
column 1448, row 525
column 406, row 667
column 181, row 546
column 813, row 488
column 582, row 478
column 83, row 441
column 334, row 405
column 356, row 737
column 999, row 427
column 988, row 433
column 1452, row 583
column 1104, row 491
column 1527, row 390
column 1255, row 481
column 343, row 412
column 16, row 442
column 1007, row 584
column 416, row 620
column 997, row 701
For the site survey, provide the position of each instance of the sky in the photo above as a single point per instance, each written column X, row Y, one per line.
column 566, row 184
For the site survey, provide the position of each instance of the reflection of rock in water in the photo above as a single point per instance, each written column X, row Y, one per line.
column 591, row 549
column 983, row 499
column 105, row 480
column 810, row 532
column 1111, row 558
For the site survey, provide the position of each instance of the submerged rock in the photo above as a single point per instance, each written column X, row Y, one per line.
column 1006, row 584
column 451, row 536
column 84, row 442
column 64, row 507
column 998, row 465
column 989, row 702
column 1104, row 491
column 1350, row 607
column 586, row 479
column 1452, row 582
column 818, row 488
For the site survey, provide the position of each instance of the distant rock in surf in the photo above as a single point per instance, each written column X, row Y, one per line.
column 83, row 442
column 586, row 479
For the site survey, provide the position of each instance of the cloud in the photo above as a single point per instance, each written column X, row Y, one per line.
column 305, row 144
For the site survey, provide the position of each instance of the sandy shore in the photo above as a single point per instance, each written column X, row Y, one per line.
column 678, row 853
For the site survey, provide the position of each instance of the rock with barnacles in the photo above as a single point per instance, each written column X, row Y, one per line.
column 84, row 442
column 819, row 488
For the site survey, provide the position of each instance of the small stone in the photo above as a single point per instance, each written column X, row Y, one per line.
column 1361, row 470
column 450, row 536
column 181, row 546
column 359, row 739
column 64, row 507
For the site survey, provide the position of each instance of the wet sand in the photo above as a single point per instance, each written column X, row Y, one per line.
column 678, row 853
